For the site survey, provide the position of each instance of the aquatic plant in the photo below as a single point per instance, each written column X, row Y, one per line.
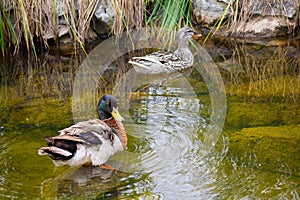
column 274, row 75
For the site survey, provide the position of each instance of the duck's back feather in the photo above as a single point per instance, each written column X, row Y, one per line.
column 86, row 142
column 160, row 62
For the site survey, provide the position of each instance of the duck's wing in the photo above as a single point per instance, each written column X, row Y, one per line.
column 151, row 62
column 158, row 62
column 85, row 137
column 90, row 132
column 173, row 61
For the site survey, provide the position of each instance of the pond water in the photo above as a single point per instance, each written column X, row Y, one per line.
column 187, row 137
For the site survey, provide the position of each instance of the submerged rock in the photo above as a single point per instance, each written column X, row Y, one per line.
column 272, row 101
column 270, row 148
column 286, row 8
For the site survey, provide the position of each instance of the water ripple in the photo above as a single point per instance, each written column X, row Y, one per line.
column 174, row 164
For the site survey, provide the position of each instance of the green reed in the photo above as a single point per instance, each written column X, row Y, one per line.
column 7, row 31
column 168, row 14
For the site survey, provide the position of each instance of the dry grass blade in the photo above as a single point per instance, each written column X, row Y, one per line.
column 41, row 20
column 23, row 6
column 128, row 14
column 219, row 22
column 86, row 11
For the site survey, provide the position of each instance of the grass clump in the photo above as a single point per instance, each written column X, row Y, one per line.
column 7, row 31
column 168, row 14
column 129, row 14
column 30, row 24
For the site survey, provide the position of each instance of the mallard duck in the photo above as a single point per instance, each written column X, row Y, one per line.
column 89, row 142
column 166, row 62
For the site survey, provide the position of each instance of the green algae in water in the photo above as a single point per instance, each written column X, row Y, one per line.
column 42, row 112
column 271, row 148
column 273, row 101
column 253, row 114
column 21, row 169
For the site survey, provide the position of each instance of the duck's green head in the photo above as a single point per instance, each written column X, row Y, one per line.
column 108, row 107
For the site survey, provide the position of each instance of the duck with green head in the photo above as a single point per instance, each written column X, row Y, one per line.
column 90, row 142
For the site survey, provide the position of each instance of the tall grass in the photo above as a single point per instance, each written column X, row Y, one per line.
column 25, row 17
column 129, row 14
column 166, row 15
column 26, row 23
column 7, row 32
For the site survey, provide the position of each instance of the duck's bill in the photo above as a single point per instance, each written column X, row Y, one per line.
column 197, row 36
column 116, row 115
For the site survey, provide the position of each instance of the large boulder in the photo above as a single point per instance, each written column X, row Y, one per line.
column 256, row 19
column 263, row 27
column 101, row 21
column 103, row 18
column 207, row 12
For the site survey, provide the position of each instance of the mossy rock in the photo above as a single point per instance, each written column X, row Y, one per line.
column 241, row 115
column 41, row 112
column 290, row 114
column 270, row 148
column 247, row 114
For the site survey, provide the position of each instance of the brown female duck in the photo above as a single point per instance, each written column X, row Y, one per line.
column 166, row 62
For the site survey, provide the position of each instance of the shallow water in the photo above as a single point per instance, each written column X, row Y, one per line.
column 175, row 148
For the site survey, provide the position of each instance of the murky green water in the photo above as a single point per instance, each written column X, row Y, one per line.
column 257, row 155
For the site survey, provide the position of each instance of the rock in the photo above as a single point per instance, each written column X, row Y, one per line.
column 104, row 16
column 104, row 12
column 208, row 11
column 263, row 27
column 284, row 8
column 100, row 24
column 61, row 31
column 255, row 19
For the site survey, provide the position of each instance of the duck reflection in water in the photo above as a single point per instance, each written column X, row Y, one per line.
column 87, row 180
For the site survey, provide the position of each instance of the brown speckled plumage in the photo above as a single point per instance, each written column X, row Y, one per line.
column 166, row 62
